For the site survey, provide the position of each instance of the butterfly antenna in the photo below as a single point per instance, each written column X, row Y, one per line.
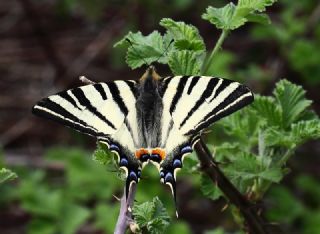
column 145, row 61
column 165, row 51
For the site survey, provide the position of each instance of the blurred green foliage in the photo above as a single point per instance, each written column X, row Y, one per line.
column 296, row 34
column 252, row 146
column 82, row 194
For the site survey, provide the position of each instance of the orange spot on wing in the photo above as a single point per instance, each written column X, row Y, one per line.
column 141, row 152
column 160, row 152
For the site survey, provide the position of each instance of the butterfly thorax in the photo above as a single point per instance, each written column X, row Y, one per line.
column 149, row 108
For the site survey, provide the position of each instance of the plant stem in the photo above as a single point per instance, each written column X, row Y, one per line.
column 255, row 224
column 218, row 45
column 125, row 214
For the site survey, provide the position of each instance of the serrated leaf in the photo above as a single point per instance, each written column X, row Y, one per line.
column 135, row 38
column 268, row 109
column 186, row 36
column 143, row 49
column 306, row 130
column 231, row 16
column 184, row 62
column 276, row 137
column 103, row 155
column 6, row 174
column 257, row 5
column 296, row 135
column 222, row 17
column 151, row 216
column 245, row 168
column 185, row 44
column 292, row 101
column 272, row 174
column 258, row 18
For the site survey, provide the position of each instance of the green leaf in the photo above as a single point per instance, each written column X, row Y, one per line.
column 186, row 36
column 6, row 174
column 274, row 174
column 209, row 189
column 231, row 16
column 105, row 157
column 245, row 168
column 306, row 130
column 292, row 101
column 257, row 5
column 296, row 135
column 276, row 137
column 151, row 216
column 268, row 109
column 222, row 18
column 258, row 18
column 143, row 49
column 184, row 62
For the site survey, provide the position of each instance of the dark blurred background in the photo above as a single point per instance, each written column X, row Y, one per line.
column 46, row 45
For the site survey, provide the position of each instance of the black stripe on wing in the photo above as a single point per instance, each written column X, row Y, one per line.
column 117, row 98
column 51, row 110
column 177, row 96
column 132, row 86
column 101, row 90
column 164, row 85
column 68, row 98
column 193, row 83
column 211, row 85
column 239, row 98
column 84, row 101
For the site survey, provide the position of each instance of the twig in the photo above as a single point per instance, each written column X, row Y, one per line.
column 125, row 215
column 85, row 80
column 255, row 223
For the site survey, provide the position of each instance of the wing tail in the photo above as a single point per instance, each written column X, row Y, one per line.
column 169, row 168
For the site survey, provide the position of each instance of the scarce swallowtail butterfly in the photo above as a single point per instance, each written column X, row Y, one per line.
column 152, row 119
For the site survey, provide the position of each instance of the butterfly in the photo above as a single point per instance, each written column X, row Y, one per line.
column 152, row 119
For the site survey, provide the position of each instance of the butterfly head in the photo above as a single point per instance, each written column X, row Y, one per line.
column 150, row 74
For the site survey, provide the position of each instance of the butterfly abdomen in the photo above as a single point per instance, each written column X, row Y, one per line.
column 149, row 108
